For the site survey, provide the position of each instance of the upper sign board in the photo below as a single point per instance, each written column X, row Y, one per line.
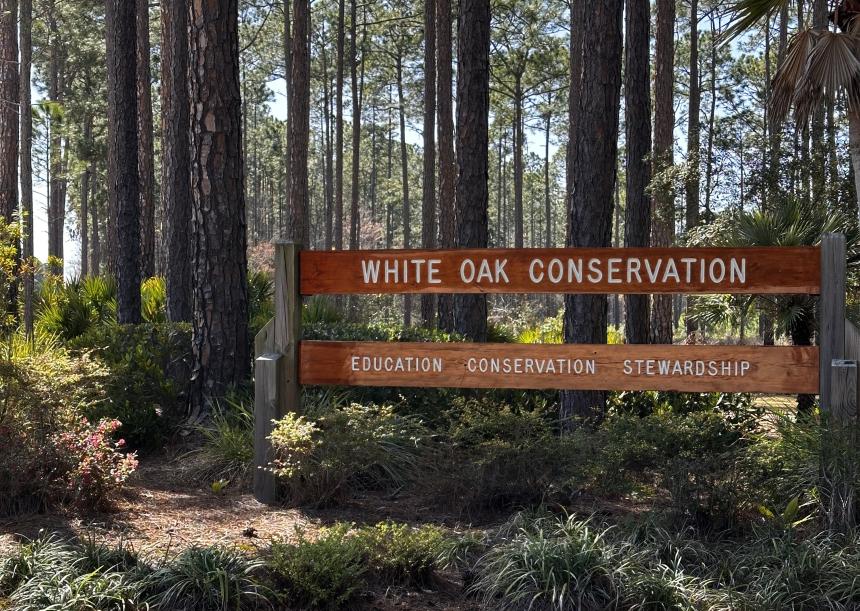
column 564, row 270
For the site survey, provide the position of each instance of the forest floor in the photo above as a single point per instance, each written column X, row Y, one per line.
column 167, row 507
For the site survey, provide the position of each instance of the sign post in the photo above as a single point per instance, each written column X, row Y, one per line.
column 284, row 363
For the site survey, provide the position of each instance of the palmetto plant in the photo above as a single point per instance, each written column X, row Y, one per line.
column 819, row 64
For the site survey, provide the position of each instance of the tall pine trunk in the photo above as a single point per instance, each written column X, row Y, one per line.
column 123, row 147
column 220, row 324
column 428, row 196
column 663, row 224
column 473, row 107
column 404, row 176
column 592, row 199
column 146, row 155
column 637, row 110
column 86, row 177
column 338, row 190
column 26, row 144
column 447, row 162
column 693, row 149
column 9, row 101
column 299, row 123
column 175, row 158
column 354, row 217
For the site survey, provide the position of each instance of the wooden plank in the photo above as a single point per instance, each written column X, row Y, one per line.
column 583, row 367
column 831, row 311
column 267, row 390
column 288, row 321
column 563, row 270
column 844, row 382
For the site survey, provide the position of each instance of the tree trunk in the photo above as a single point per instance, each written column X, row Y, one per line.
column 428, row 199
column 85, row 197
column 447, row 162
column 26, row 144
column 818, row 172
column 329, row 159
column 56, row 200
column 338, row 191
column 9, row 101
column 404, row 177
column 288, row 81
column 175, row 158
column 354, row 218
column 577, row 15
column 637, row 109
column 298, row 141
column 96, row 261
column 220, row 323
column 519, row 231
column 712, row 114
column 473, row 107
column 146, row 159
column 123, row 147
column 592, row 199
column 693, row 148
column 663, row 225
column 547, row 195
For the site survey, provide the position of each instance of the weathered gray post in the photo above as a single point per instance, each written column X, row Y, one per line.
column 276, row 368
column 831, row 313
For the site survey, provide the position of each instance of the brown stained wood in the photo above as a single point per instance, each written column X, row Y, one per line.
column 768, row 271
column 458, row 365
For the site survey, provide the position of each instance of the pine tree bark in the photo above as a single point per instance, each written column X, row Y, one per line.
column 9, row 104
column 175, row 157
column 663, row 223
column 519, row 232
column 354, row 218
column 123, row 147
column 86, row 176
column 428, row 199
column 221, row 341
column 329, row 155
column 146, row 154
column 577, row 15
column 592, row 199
column 26, row 146
column 404, row 176
column 288, row 80
column 338, row 190
column 473, row 106
column 56, row 183
column 447, row 162
column 299, row 123
column 693, row 150
column 637, row 109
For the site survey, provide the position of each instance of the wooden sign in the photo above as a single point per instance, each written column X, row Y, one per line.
column 569, row 366
column 563, row 270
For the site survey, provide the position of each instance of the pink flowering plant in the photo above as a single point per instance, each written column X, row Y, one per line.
column 92, row 464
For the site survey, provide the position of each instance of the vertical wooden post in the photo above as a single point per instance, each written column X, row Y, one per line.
column 276, row 385
column 831, row 313
column 846, row 396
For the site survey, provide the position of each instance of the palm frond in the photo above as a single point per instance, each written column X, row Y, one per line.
column 747, row 13
column 790, row 74
column 832, row 67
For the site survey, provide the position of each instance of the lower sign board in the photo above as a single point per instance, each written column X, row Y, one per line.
column 761, row 369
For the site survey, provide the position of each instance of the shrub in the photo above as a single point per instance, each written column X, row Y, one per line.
column 42, row 398
column 327, row 572
column 49, row 574
column 322, row 458
column 90, row 464
column 68, row 310
column 228, row 440
column 205, row 579
column 153, row 300
column 566, row 564
column 150, row 367
column 400, row 554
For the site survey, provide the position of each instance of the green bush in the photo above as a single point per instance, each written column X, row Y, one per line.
column 228, row 440
column 50, row 453
column 399, row 554
column 150, row 369
column 49, row 574
column 206, row 578
column 325, row 573
column 323, row 457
